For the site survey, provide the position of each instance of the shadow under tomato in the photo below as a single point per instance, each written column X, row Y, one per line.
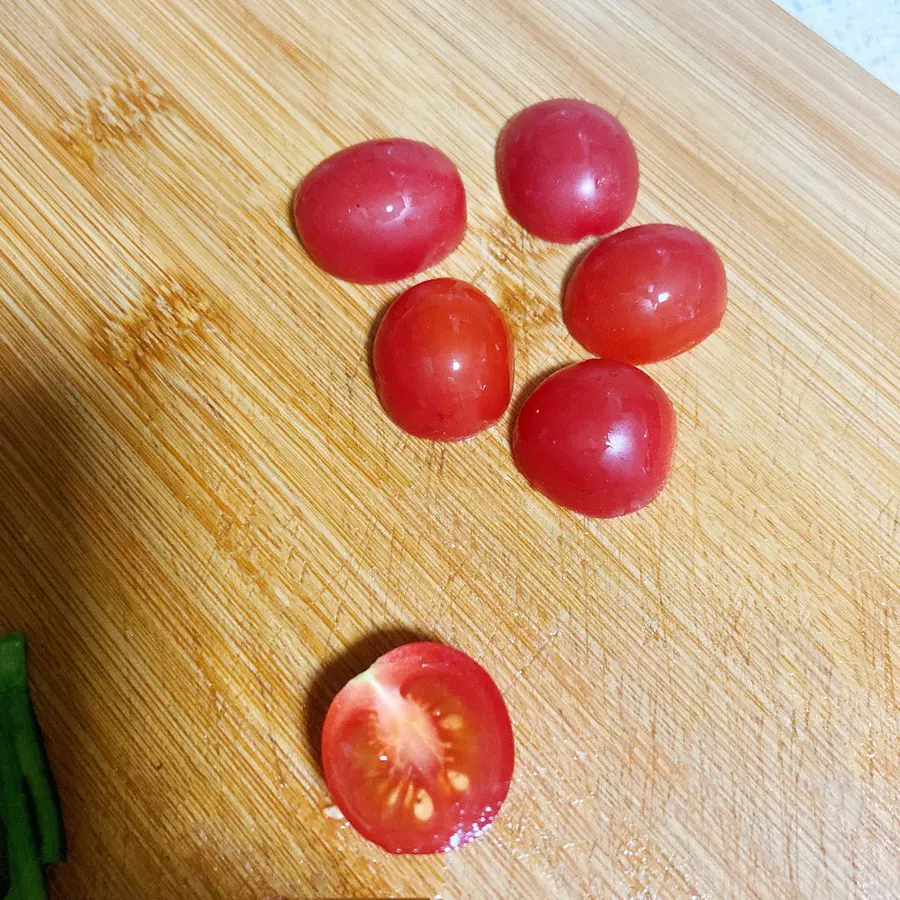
column 525, row 390
column 292, row 223
column 575, row 263
column 373, row 330
column 334, row 674
column 292, row 219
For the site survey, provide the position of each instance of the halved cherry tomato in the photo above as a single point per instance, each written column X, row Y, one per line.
column 567, row 169
column 381, row 211
column 646, row 294
column 418, row 750
column 596, row 437
column 443, row 361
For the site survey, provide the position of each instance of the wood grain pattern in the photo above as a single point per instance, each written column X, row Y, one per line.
column 206, row 523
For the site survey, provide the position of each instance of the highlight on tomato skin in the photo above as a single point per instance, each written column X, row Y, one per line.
column 567, row 169
column 418, row 750
column 381, row 211
column 597, row 437
column 646, row 294
column 442, row 360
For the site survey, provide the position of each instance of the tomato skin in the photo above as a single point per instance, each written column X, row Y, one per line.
column 363, row 772
column 567, row 169
column 381, row 210
column 646, row 294
column 596, row 437
column 443, row 360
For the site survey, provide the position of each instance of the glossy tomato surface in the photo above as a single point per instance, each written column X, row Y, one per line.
column 646, row 294
column 567, row 169
column 418, row 750
column 381, row 211
column 596, row 437
column 443, row 360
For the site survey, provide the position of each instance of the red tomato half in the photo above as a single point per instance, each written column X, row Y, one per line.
column 418, row 750
column 646, row 294
column 596, row 437
column 443, row 360
column 381, row 211
column 567, row 169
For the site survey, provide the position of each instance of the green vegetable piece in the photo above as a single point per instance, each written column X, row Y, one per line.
column 18, row 716
column 5, row 876
column 25, row 869
column 31, row 829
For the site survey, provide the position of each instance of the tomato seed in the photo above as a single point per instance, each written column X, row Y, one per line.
column 424, row 808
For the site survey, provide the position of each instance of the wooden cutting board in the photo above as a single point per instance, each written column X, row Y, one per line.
column 207, row 524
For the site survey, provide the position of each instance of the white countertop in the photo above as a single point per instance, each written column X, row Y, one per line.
column 868, row 31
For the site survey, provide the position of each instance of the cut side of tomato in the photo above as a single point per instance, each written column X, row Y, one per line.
column 418, row 750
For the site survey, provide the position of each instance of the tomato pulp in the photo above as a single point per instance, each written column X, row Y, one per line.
column 596, row 437
column 567, row 169
column 646, row 294
column 418, row 750
column 381, row 210
column 443, row 360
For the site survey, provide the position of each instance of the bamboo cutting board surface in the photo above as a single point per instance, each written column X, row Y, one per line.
column 207, row 524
